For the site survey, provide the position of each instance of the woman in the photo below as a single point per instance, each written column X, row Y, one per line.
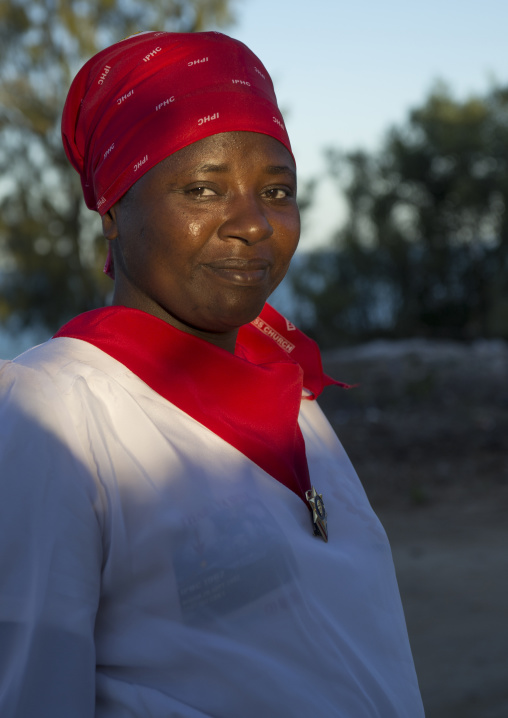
column 163, row 517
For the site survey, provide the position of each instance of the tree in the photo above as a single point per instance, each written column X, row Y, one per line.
column 51, row 250
column 425, row 246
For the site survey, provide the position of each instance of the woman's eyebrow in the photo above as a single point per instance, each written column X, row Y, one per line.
column 213, row 168
column 270, row 169
column 280, row 169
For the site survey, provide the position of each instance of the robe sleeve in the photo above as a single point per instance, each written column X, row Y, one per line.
column 50, row 553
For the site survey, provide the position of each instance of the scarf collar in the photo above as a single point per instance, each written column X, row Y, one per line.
column 250, row 399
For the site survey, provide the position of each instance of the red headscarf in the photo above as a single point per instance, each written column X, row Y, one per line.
column 139, row 101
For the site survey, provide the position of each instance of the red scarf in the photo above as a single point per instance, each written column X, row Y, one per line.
column 146, row 97
column 250, row 399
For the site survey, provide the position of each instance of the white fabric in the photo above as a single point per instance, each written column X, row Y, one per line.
column 150, row 570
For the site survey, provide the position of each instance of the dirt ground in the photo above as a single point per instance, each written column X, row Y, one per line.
column 426, row 430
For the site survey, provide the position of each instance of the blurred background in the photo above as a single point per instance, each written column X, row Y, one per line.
column 398, row 115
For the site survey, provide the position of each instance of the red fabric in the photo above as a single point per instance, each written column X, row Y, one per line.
column 299, row 346
column 142, row 99
column 251, row 399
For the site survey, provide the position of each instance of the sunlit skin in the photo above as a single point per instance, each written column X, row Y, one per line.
column 204, row 237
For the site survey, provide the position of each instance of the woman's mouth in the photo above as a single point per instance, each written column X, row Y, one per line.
column 240, row 271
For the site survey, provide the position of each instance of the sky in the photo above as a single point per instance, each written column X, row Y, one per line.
column 344, row 72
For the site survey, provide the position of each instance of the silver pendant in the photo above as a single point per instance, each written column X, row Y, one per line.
column 317, row 507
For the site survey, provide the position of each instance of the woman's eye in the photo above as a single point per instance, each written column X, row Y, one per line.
column 278, row 193
column 201, row 192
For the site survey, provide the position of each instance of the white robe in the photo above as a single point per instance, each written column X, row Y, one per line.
column 149, row 569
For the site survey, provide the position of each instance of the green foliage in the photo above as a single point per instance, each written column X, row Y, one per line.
column 51, row 248
column 425, row 246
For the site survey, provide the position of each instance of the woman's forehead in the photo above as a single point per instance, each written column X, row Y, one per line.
column 225, row 145
column 227, row 153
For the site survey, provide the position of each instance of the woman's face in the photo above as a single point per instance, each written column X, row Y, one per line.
column 204, row 237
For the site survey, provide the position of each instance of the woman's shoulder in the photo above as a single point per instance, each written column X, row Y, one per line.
column 41, row 442
column 53, row 385
column 59, row 357
column 56, row 367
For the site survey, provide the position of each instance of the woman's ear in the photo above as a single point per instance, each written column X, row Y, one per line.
column 109, row 224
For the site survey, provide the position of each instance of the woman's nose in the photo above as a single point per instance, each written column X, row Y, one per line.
column 246, row 220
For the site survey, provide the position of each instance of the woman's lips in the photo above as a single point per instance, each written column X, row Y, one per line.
column 240, row 271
